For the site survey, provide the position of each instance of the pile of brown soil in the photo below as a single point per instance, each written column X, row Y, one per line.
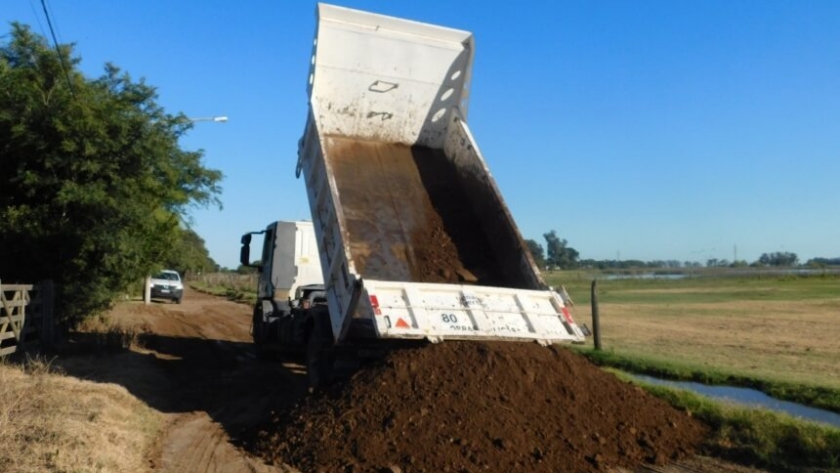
column 480, row 406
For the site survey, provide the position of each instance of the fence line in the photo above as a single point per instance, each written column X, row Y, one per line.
column 27, row 316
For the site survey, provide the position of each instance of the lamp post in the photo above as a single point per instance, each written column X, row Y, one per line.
column 219, row 119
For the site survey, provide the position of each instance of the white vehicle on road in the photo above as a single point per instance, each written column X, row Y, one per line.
column 167, row 284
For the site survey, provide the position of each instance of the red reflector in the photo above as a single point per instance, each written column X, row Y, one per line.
column 374, row 302
column 567, row 316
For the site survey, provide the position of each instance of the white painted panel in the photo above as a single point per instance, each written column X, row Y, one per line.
column 450, row 311
column 383, row 78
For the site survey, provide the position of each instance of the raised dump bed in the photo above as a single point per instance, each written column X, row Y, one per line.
column 414, row 238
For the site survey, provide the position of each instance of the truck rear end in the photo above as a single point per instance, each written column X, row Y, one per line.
column 415, row 240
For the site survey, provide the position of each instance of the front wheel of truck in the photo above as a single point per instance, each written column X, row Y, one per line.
column 258, row 331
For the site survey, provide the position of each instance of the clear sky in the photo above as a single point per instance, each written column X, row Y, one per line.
column 640, row 129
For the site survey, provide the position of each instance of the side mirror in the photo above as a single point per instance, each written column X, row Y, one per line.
column 245, row 251
column 244, row 255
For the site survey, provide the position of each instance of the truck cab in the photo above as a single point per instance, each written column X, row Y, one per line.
column 289, row 282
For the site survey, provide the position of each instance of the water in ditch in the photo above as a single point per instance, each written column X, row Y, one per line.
column 749, row 397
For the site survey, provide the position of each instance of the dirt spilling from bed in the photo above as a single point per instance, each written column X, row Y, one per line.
column 479, row 406
column 408, row 218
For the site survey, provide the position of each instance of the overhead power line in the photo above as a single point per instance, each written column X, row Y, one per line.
column 57, row 50
column 37, row 18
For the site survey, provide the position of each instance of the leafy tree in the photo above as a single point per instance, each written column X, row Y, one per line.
column 242, row 269
column 190, row 255
column 717, row 263
column 537, row 253
column 94, row 187
column 559, row 253
column 778, row 258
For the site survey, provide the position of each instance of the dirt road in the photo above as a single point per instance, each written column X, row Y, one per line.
column 194, row 362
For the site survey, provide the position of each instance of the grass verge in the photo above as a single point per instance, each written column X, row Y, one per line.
column 50, row 423
column 755, row 436
column 103, row 334
column 230, row 293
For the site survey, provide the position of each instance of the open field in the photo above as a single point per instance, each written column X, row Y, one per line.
column 781, row 329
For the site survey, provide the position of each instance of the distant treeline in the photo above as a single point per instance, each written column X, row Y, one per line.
column 779, row 259
column 559, row 255
column 637, row 264
column 823, row 262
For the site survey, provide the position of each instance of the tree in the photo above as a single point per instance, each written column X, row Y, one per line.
column 779, row 258
column 559, row 253
column 94, row 188
column 252, row 269
column 537, row 253
column 717, row 263
column 190, row 255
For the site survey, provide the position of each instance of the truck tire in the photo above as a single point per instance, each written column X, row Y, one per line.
column 259, row 335
column 320, row 356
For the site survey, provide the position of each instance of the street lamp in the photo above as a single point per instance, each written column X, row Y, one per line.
column 220, row 119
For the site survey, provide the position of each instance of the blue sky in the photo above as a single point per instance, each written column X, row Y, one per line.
column 640, row 129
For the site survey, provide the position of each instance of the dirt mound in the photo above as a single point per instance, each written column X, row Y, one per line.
column 480, row 406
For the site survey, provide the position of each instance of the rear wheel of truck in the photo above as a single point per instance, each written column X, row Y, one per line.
column 259, row 334
column 320, row 356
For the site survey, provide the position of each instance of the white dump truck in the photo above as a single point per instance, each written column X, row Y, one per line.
column 414, row 240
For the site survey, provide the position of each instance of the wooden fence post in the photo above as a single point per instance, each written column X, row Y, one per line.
column 596, row 322
column 46, row 292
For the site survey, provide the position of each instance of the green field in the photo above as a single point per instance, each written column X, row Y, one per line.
column 778, row 334
column 782, row 329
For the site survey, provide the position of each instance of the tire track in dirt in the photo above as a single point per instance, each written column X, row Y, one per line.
column 194, row 443
column 214, row 392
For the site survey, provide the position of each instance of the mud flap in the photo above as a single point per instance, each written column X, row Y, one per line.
column 320, row 353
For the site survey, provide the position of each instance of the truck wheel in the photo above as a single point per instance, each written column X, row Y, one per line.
column 259, row 335
column 320, row 357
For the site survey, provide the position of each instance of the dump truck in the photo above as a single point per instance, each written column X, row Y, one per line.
column 414, row 240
